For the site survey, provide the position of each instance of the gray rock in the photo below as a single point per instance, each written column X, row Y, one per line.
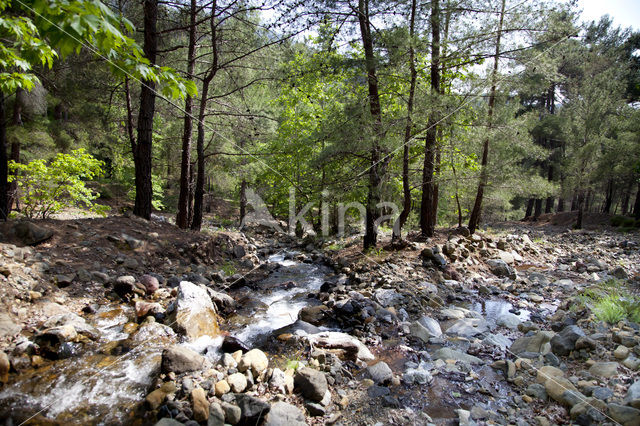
column 380, row 373
column 311, row 383
column 633, row 395
column 431, row 325
column 468, row 327
column 166, row 421
column 448, row 353
column 499, row 268
column 388, row 297
column 216, row 415
column 565, row 341
column 28, row 233
column 626, row 416
column 508, row 320
column 180, row 359
column 499, row 340
column 232, row 413
column 602, row 393
column 419, row 331
column 283, row 413
column 8, row 328
column 253, row 409
column 536, row 343
column 604, row 369
column 537, row 390
column 315, row 409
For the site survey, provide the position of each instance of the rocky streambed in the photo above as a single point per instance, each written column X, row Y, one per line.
column 458, row 330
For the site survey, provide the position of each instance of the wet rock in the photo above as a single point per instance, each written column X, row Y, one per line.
column 150, row 283
column 223, row 301
column 538, row 343
column 194, row 315
column 380, row 373
column 604, row 369
column 253, row 409
column 283, row 413
column 232, row 344
column 633, row 395
column 352, row 347
column 147, row 308
column 254, row 360
column 157, row 397
column 565, row 341
column 200, row 405
column 499, row 268
column 419, row 374
column 498, row 340
column 311, row 383
column 179, row 359
column 626, row 416
column 315, row 315
column 448, row 353
column 237, row 382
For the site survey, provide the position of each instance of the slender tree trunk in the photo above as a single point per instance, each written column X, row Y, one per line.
column 182, row 219
column 196, row 223
column 4, row 168
column 243, row 200
column 608, row 198
column 142, row 152
column 375, row 179
column 538, row 208
column 427, row 214
column 636, row 205
column 474, row 220
column 580, row 202
column 625, row 201
column 406, row 184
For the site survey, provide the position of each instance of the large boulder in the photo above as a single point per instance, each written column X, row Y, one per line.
column 180, row 359
column 194, row 314
column 254, row 360
column 565, row 341
column 380, row 373
column 253, row 409
column 538, row 343
column 315, row 315
column 311, row 383
column 24, row 232
column 500, row 268
column 468, row 327
column 633, row 394
column 351, row 347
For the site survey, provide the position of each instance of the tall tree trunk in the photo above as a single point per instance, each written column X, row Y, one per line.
column 4, row 168
column 406, row 184
column 636, row 205
column 529, row 211
column 474, row 220
column 580, row 205
column 243, row 200
column 15, row 148
column 608, row 197
column 625, row 200
column 196, row 223
column 375, row 179
column 427, row 214
column 538, row 208
column 142, row 151
column 182, row 218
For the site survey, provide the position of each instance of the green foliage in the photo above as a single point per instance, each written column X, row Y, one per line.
column 229, row 268
column 611, row 301
column 127, row 179
column 46, row 189
column 623, row 221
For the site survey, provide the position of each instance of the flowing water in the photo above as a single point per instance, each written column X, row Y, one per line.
column 104, row 383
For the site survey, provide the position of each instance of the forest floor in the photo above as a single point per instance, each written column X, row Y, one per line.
column 97, row 325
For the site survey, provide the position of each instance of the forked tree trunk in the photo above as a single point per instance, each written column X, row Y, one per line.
column 142, row 151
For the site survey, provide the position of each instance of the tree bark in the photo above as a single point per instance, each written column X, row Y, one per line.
column 406, row 185
column 636, row 205
column 373, row 195
column 196, row 223
column 538, row 209
column 182, row 218
column 580, row 205
column 4, row 167
column 608, row 197
column 474, row 220
column 142, row 151
column 625, row 200
column 427, row 215
column 15, row 149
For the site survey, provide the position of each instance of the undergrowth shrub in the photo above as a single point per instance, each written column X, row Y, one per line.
column 46, row 188
column 611, row 301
